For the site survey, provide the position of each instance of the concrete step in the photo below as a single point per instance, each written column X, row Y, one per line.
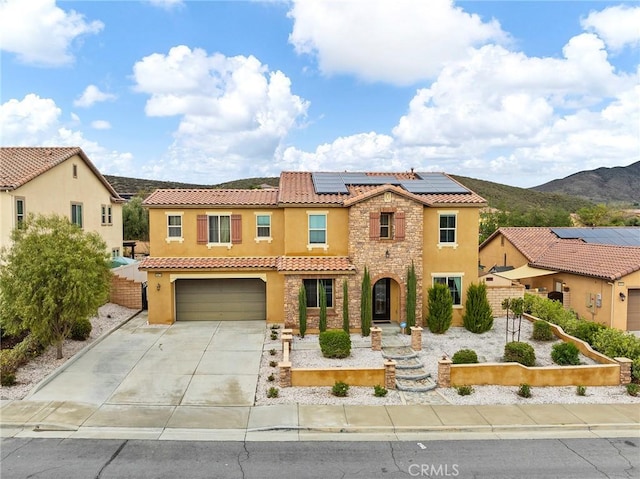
column 420, row 385
column 399, row 353
column 411, row 363
column 412, row 374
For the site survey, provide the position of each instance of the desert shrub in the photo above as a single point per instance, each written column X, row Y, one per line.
column 440, row 308
column 542, row 331
column 273, row 364
column 518, row 352
column 340, row 389
column 524, row 391
column 465, row 356
column 581, row 390
column 477, row 317
column 633, row 389
column 615, row 343
column 302, row 310
column 565, row 354
column 379, row 391
column 273, row 352
column 464, row 390
column 271, row 377
column 81, row 329
column 335, row 343
column 273, row 392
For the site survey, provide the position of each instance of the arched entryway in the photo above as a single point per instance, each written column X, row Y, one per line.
column 386, row 301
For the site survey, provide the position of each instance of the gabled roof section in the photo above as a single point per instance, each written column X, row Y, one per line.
column 19, row 165
column 530, row 241
column 212, row 197
column 340, row 189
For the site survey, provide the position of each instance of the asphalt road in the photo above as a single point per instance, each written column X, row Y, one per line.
column 495, row 459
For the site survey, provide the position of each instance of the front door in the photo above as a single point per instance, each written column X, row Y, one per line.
column 382, row 300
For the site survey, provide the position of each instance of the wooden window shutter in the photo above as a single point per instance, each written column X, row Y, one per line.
column 236, row 229
column 399, row 227
column 203, row 229
column 374, row 225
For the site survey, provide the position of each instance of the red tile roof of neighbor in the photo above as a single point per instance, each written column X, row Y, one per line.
column 296, row 188
column 19, row 165
column 281, row 263
column 543, row 249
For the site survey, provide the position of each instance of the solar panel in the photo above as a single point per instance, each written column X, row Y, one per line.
column 329, row 183
column 618, row 236
column 433, row 183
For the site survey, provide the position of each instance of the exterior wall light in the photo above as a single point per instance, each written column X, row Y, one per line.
column 387, row 254
column 622, row 297
column 158, row 287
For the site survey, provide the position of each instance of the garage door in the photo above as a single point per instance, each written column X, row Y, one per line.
column 220, row 299
column 633, row 310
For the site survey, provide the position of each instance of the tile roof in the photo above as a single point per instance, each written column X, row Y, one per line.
column 281, row 263
column 19, row 165
column 530, row 241
column 601, row 261
column 212, row 197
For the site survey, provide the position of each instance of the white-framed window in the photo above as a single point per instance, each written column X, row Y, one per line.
column 219, row 229
column 263, row 227
column 454, row 283
column 76, row 214
column 21, row 213
column 317, row 230
column 313, row 286
column 447, row 229
column 106, row 217
column 174, row 227
column 386, row 225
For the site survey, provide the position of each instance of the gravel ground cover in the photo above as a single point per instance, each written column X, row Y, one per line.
column 109, row 316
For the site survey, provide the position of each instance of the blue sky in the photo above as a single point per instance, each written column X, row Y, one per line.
column 204, row 92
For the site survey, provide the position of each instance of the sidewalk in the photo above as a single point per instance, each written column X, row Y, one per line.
column 196, row 381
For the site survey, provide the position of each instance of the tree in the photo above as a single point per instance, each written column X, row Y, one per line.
column 440, row 308
column 322, row 324
column 135, row 220
column 411, row 297
column 366, row 313
column 478, row 317
column 345, row 306
column 302, row 310
column 54, row 275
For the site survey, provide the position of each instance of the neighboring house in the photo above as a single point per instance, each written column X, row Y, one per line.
column 245, row 254
column 62, row 180
column 594, row 271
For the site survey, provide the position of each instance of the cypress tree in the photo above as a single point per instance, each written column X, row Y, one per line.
column 345, row 306
column 365, row 304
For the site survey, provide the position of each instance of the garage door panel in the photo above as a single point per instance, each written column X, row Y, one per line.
column 220, row 299
column 633, row 310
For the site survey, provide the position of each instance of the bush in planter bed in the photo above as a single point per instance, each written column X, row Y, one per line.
column 81, row 329
column 542, row 331
column 518, row 352
column 565, row 354
column 465, row 356
column 335, row 343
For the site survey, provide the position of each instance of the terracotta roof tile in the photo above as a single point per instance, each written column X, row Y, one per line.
column 208, row 263
column 531, row 241
column 589, row 259
column 212, row 197
column 19, row 165
column 315, row 263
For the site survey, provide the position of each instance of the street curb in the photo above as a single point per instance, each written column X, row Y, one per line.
column 56, row 372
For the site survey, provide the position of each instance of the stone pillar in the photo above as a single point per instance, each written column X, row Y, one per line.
column 376, row 338
column 390, row 374
column 285, row 374
column 444, row 373
column 625, row 370
column 416, row 338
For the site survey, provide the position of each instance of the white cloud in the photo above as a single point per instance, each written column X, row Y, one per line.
column 35, row 121
column 92, row 95
column 233, row 111
column 167, row 4
column 41, row 33
column 618, row 26
column 400, row 41
column 100, row 125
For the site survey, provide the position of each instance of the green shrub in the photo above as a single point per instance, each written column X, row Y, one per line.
column 80, row 329
column 7, row 378
column 379, row 391
column 366, row 312
column 340, row 389
column 410, row 305
column 465, row 356
column 615, row 344
column 302, row 310
column 524, row 391
column 587, row 330
column 440, row 308
column 477, row 317
column 345, row 306
column 519, row 352
column 335, row 343
column 565, row 354
column 271, row 377
column 464, row 390
column 274, row 335
column 633, row 389
column 273, row 364
column 273, row 352
column 322, row 323
column 635, row 369
column 581, row 390
column 542, row 331
column 273, row 392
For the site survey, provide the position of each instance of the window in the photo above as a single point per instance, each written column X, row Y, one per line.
column 220, row 229
column 455, row 287
column 263, row 226
column 115, row 252
column 312, row 287
column 20, row 211
column 386, row 225
column 76, row 214
column 105, row 215
column 447, row 228
column 174, row 226
column 317, row 229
